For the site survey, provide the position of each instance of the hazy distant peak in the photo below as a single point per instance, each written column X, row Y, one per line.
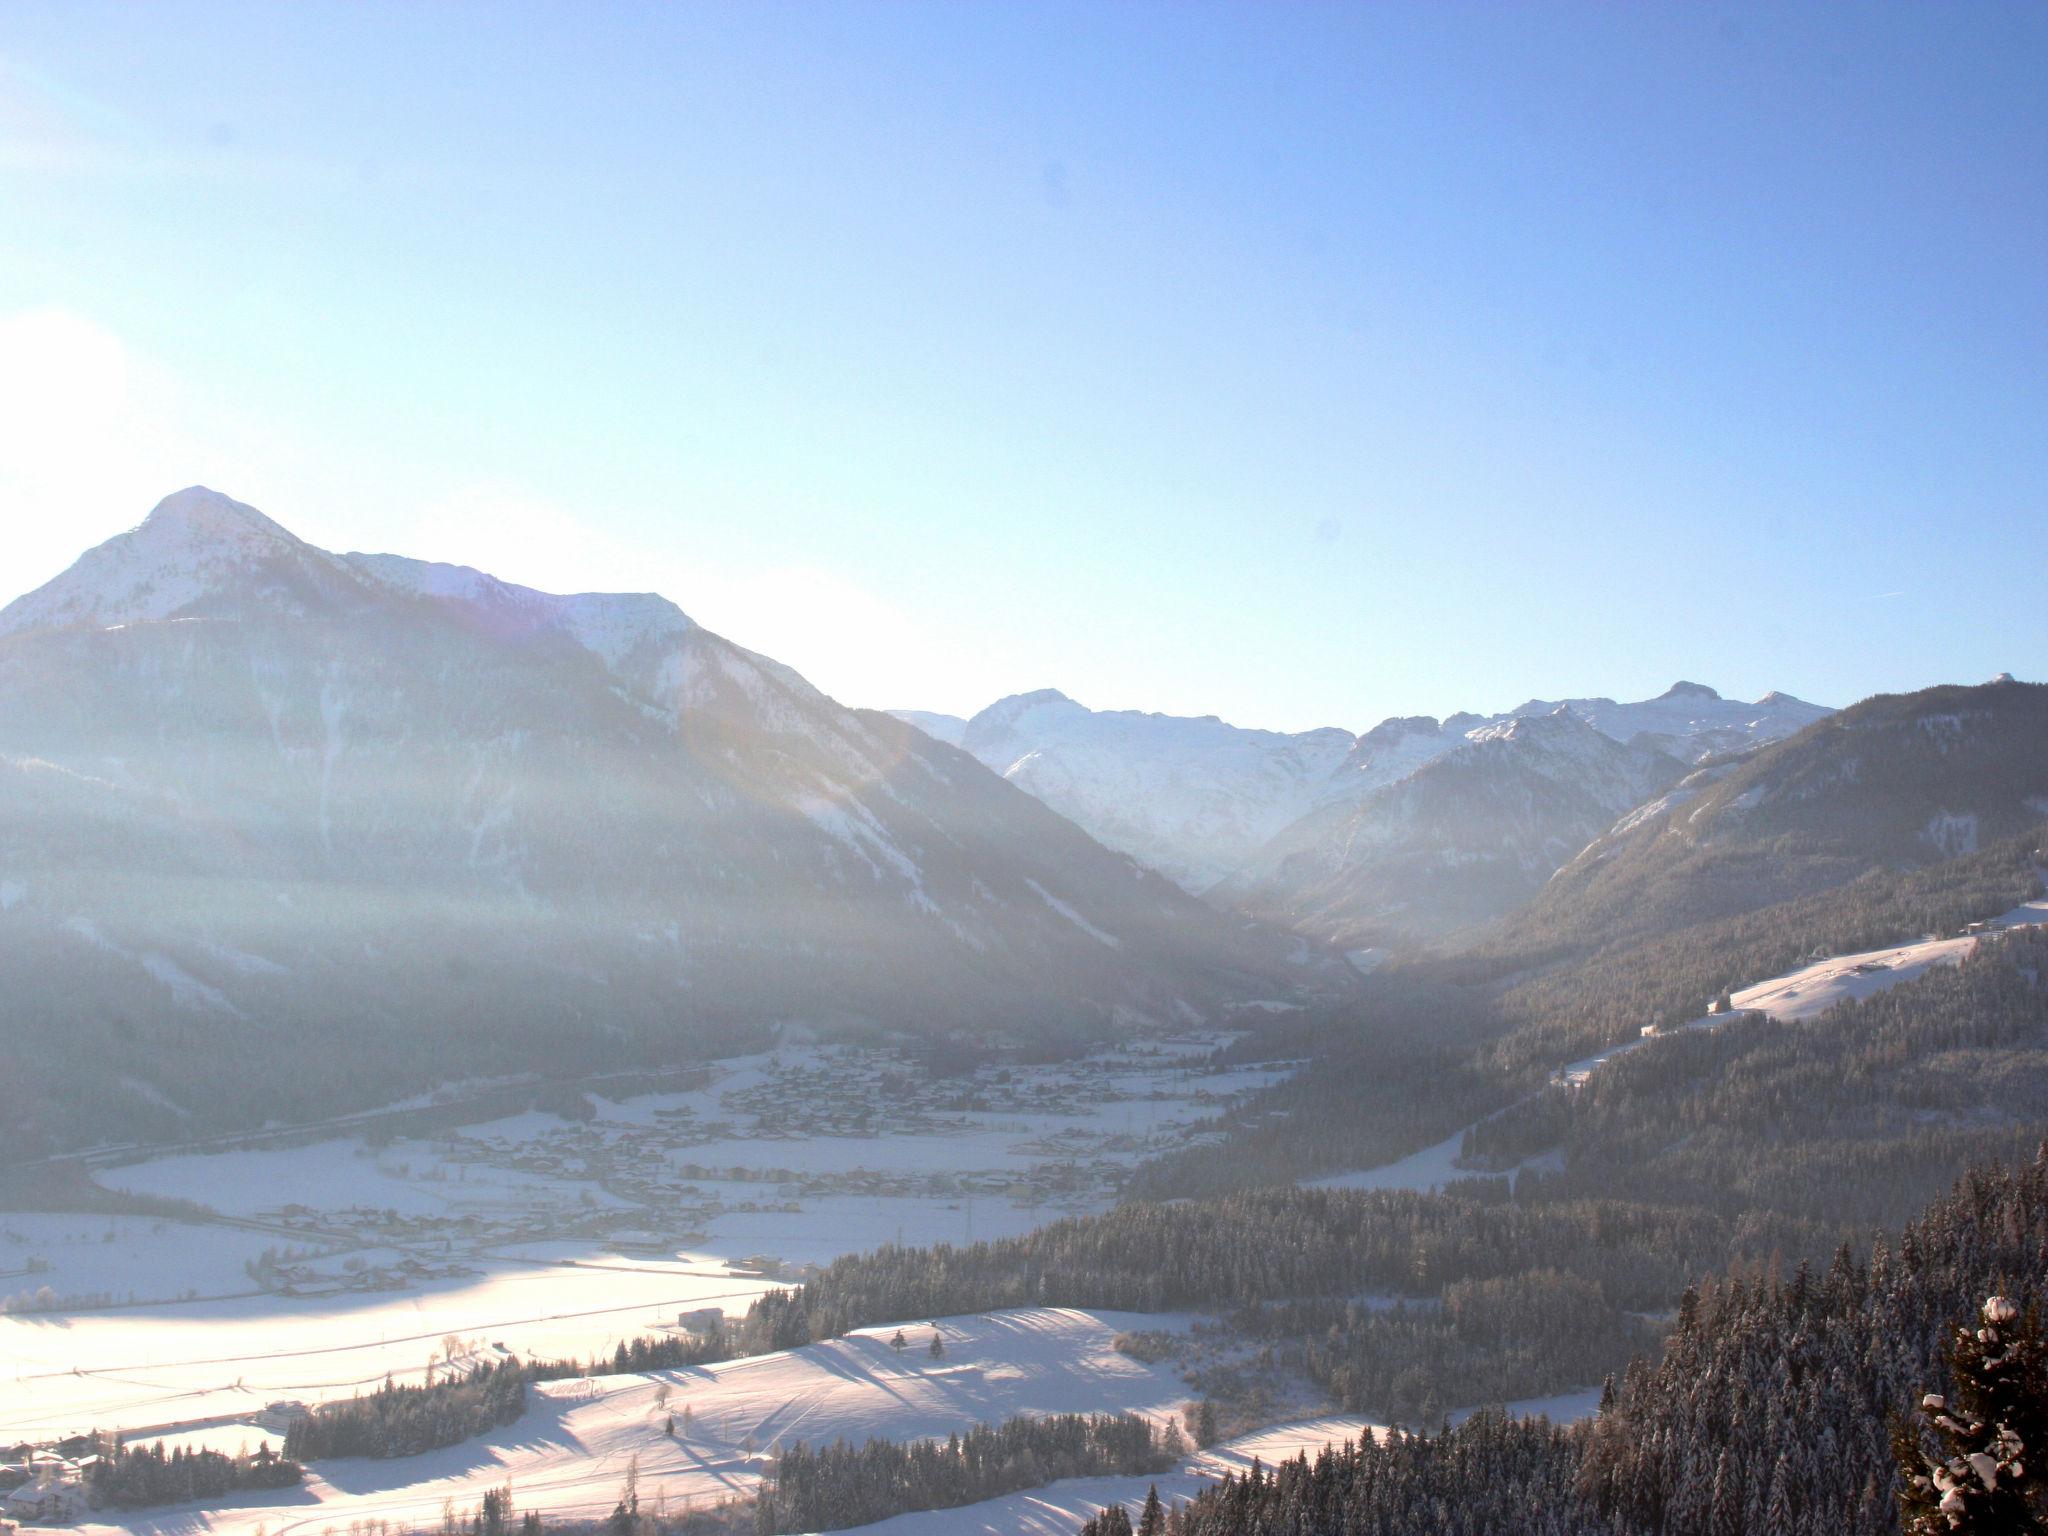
column 1396, row 727
column 1685, row 690
column 1558, row 724
column 1018, row 702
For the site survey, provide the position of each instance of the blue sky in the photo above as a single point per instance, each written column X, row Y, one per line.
column 1298, row 364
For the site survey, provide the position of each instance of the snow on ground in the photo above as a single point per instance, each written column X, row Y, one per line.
column 119, row 1258
column 567, row 1454
column 150, row 1369
column 1431, row 1168
column 1809, row 992
column 558, row 1237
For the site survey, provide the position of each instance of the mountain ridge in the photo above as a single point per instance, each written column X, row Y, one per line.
column 468, row 826
column 1199, row 798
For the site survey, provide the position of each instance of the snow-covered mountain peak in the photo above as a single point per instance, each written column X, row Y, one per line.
column 198, row 554
column 1188, row 794
column 200, row 516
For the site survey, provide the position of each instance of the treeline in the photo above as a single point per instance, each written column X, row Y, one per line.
column 1769, row 1412
column 406, row 1420
column 135, row 1477
column 842, row 1485
column 1244, row 1248
column 667, row 1352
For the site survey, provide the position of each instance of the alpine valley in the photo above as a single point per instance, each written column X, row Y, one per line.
column 476, row 1057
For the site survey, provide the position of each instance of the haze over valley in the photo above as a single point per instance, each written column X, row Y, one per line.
column 1030, row 769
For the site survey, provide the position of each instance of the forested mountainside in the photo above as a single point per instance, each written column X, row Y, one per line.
column 1898, row 781
column 1770, row 1411
column 1441, row 1043
column 261, row 799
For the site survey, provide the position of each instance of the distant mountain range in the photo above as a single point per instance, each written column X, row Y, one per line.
column 1415, row 828
column 285, row 830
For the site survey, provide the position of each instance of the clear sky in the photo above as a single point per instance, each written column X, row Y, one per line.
column 1298, row 364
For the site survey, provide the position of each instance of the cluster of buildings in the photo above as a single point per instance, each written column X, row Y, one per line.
column 43, row 1487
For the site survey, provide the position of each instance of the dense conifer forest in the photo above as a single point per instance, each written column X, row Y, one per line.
column 1771, row 1410
column 840, row 1485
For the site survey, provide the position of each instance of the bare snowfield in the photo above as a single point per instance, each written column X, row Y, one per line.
column 144, row 1369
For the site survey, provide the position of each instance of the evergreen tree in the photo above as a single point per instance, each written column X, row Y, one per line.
column 1988, row 1429
column 1152, row 1520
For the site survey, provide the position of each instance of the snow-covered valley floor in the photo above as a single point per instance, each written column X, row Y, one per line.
column 335, row 1263
column 568, row 1454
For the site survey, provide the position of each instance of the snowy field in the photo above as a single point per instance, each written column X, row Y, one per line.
column 155, row 1369
column 1809, row 992
column 336, row 1263
column 567, row 1456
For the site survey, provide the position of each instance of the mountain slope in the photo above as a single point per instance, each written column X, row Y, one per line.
column 358, row 823
column 1896, row 782
column 1466, row 837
